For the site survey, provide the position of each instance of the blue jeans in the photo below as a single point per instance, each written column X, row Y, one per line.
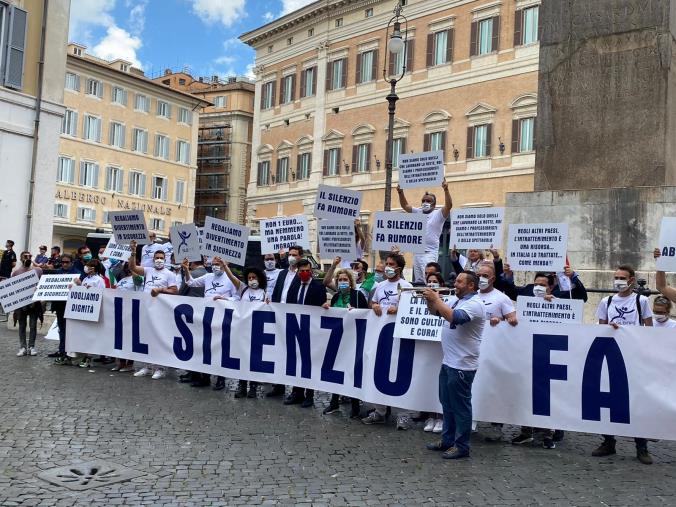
column 455, row 395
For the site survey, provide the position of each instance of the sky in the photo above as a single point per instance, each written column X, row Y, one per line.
column 200, row 36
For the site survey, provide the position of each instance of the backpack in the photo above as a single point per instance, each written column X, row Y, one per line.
column 638, row 307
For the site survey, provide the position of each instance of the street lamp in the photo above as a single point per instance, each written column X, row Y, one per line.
column 396, row 47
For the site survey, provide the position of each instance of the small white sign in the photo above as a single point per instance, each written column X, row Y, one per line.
column 537, row 247
column 128, row 226
column 337, row 239
column 557, row 311
column 279, row 233
column 117, row 251
column 421, row 169
column 186, row 242
column 477, row 228
column 84, row 304
column 414, row 319
column 338, row 203
column 405, row 231
column 54, row 287
column 225, row 240
column 17, row 291
column 667, row 245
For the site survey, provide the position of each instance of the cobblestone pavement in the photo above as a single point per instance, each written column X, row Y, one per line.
column 202, row 447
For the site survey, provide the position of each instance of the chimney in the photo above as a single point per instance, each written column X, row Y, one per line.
column 214, row 79
column 167, row 72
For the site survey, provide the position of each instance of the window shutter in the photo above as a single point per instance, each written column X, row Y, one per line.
column 430, row 49
column 355, row 154
column 157, row 145
column 539, row 24
column 109, row 179
column 374, row 73
column 338, row 160
column 111, row 133
column 410, row 49
column 168, row 110
column 516, row 131
column 77, row 82
column 258, row 173
column 402, row 148
column 326, row 162
column 96, row 176
column 358, row 73
column 303, row 77
column 15, row 48
column 124, row 97
column 81, row 180
column 535, row 122
column 282, row 89
column 123, row 135
column 496, row 33
column 427, row 142
column 474, row 42
column 329, row 75
column 298, row 166
column 274, row 90
column 518, row 28
column 368, row 157
column 120, row 182
column 143, row 185
column 443, row 144
column 489, row 139
column 450, row 35
column 165, row 190
column 314, row 80
column 470, row 143
column 98, row 129
column 293, row 88
column 344, row 77
column 99, row 89
column 263, row 89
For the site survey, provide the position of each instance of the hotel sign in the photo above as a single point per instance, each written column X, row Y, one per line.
column 121, row 204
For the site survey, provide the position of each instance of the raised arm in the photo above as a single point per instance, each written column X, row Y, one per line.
column 235, row 281
column 360, row 238
column 448, row 202
column 136, row 269
column 328, row 276
column 402, row 200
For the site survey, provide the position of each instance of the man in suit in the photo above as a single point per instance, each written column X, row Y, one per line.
column 304, row 291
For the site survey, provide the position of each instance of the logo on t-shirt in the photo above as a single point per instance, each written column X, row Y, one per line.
column 621, row 312
column 215, row 285
column 387, row 294
column 152, row 281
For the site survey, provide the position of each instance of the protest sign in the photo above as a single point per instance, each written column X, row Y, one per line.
column 338, row 203
column 337, row 238
column 405, row 231
column 54, row 287
column 537, row 247
column 477, row 228
column 128, row 226
column 556, row 311
column 186, row 243
column 84, row 304
column 414, row 319
column 667, row 245
column 17, row 291
column 421, row 169
column 279, row 233
column 117, row 251
column 225, row 240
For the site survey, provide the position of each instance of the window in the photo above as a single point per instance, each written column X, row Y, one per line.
column 86, row 214
column 368, row 13
column 288, row 88
column 184, row 115
column 304, row 166
column 337, row 74
column 69, row 123
column 180, row 191
column 77, row 51
column 440, row 47
column 289, row 41
column 137, row 184
column 163, row 109
column 65, row 172
column 89, row 174
column 60, row 210
column 479, row 141
column 119, row 96
column 437, row 141
column 263, row 176
column 176, row 223
column 219, row 101
column 310, row 32
column 308, row 82
column 117, row 134
column 361, row 158
column 269, row 49
column 268, row 95
column 526, row 26
column 485, row 36
column 166, row 82
column 91, row 128
column 398, row 148
column 283, row 170
column 94, row 88
column 124, row 67
column 332, row 162
column 181, row 81
column 157, row 224
column 142, row 103
column 523, row 135
column 72, row 82
column 397, row 59
column 182, row 152
column 114, row 179
column 140, row 141
column 106, row 217
column 367, row 63
column 162, row 146
column 159, row 188
column 13, row 20
column 339, row 22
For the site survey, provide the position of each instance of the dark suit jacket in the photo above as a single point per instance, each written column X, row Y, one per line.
column 279, row 286
column 315, row 293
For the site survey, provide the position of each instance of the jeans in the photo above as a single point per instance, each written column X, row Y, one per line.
column 455, row 395
column 27, row 315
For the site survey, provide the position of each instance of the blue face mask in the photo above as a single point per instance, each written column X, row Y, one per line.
column 87, row 257
column 379, row 277
column 343, row 286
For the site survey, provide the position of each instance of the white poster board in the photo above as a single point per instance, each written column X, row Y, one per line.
column 17, row 291
column 338, row 203
column 537, row 247
column 225, row 240
column 84, row 304
column 337, row 239
column 128, row 226
column 405, row 231
column 186, row 242
column 480, row 228
column 414, row 319
column 281, row 233
column 557, row 311
column 667, row 245
column 424, row 169
column 54, row 287
column 117, row 251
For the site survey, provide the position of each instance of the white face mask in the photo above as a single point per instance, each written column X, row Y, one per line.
column 87, row 270
column 483, row 283
column 433, row 285
column 216, row 270
column 159, row 263
column 426, row 206
column 269, row 265
column 620, row 285
column 253, row 284
column 390, row 272
column 292, row 260
column 539, row 291
column 661, row 318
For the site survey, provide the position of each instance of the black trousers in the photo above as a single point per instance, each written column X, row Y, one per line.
column 59, row 307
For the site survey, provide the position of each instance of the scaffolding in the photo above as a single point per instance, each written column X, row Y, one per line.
column 213, row 170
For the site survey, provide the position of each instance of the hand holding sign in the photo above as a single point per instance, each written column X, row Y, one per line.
column 666, row 261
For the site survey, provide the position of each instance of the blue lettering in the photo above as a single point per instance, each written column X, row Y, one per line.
column 381, row 372
column 227, row 361
column 119, row 323
column 335, row 324
column 544, row 371
column 298, row 333
column 206, row 334
column 360, row 324
column 183, row 353
column 136, row 345
column 259, row 338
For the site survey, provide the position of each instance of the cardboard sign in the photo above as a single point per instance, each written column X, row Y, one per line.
column 186, row 242
column 558, row 311
column 84, row 304
column 17, row 291
column 128, row 226
column 477, row 228
column 225, row 240
column 537, row 247
column 667, row 245
column 405, row 231
column 337, row 239
column 338, row 203
column 414, row 319
column 54, row 287
column 117, row 251
column 421, row 169
column 278, row 233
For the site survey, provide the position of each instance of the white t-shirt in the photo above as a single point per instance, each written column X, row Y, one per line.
column 246, row 293
column 148, row 252
column 126, row 284
column 214, row 285
column 271, row 275
column 94, row 281
column 158, row 279
column 669, row 324
column 622, row 310
column 496, row 304
column 290, row 275
column 435, row 224
column 386, row 293
column 461, row 343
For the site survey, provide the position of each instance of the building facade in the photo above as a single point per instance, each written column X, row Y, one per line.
column 224, row 144
column 126, row 143
column 31, row 95
column 469, row 88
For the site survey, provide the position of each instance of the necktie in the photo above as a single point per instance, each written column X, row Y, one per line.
column 301, row 297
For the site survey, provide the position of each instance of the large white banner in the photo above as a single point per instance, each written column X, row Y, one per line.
column 567, row 376
column 667, row 245
column 404, row 231
column 477, row 228
column 537, row 247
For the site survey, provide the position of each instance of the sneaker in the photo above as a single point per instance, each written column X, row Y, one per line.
column 308, row 402
column 115, row 368
column 455, row 453
column 374, row 418
column 159, row 373
column 548, row 443
column 63, row 361
column 54, row 354
column 22, row 352
column 404, row 422
column 32, row 351
column 439, row 445
column 438, row 426
column 219, row 385
column 644, row 456
column 607, row 448
column 293, row 399
column 241, row 390
column 494, row 433
column 85, row 363
column 252, row 390
column 126, row 369
column 522, row 439
column 429, row 425
column 331, row 409
column 277, row 390
column 143, row 372
column 558, row 435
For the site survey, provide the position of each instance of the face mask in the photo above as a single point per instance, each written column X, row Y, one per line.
column 379, row 277
column 217, row 270
column 390, row 272
column 539, row 291
column 433, row 285
column 292, row 260
column 27, row 263
column 87, row 270
column 620, row 285
column 426, row 206
column 159, row 263
column 253, row 284
column 305, row 276
column 343, row 286
column 87, row 257
column 661, row 318
column 483, row 283
column 270, row 265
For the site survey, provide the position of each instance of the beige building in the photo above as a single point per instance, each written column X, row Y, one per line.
column 127, row 143
column 470, row 89
column 224, row 143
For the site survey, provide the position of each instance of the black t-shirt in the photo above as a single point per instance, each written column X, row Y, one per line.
column 8, row 258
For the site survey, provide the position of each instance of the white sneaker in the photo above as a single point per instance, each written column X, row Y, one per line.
column 32, row 351
column 159, row 373
column 429, row 425
column 438, row 426
column 22, row 352
column 126, row 369
column 142, row 372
